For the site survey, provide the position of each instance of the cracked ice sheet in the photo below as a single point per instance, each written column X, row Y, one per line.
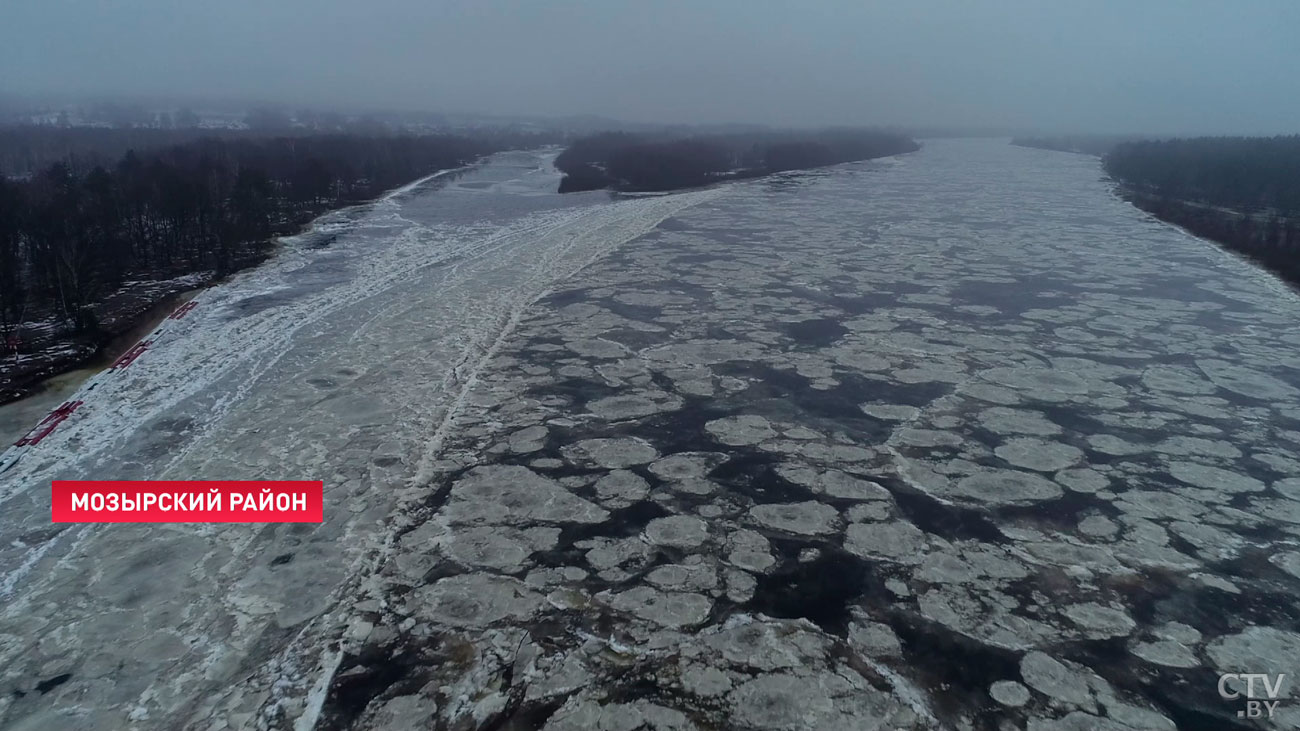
column 957, row 441
column 341, row 360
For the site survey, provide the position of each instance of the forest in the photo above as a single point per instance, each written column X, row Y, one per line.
column 74, row 239
column 1242, row 192
column 636, row 163
column 1242, row 173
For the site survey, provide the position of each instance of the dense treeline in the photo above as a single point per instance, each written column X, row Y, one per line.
column 70, row 236
column 1242, row 173
column 1241, row 192
column 630, row 162
column 28, row 149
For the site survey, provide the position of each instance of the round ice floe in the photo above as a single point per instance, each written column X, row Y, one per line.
column 680, row 531
column 802, row 432
column 874, row 639
column 806, row 518
column 1176, row 379
column 992, row 394
column 608, row 553
column 1114, row 446
column 582, row 711
column 1178, row 632
column 928, row 438
column 497, row 547
column 1037, row 381
column 652, row 299
column 970, row 563
column 741, row 430
column 406, row 711
column 474, row 600
column 670, row 609
column 1080, row 721
column 1083, row 480
column 1210, row 542
column 890, row 412
column 621, row 488
column 1053, row 679
column 1216, row 582
column 683, row 577
column 1192, row 446
column 703, row 680
column 1246, row 381
column 869, row 512
column 611, row 453
column 597, row 348
column 832, row 483
column 1213, row 478
column 1099, row 621
column 1158, row 505
column 766, row 645
column 1098, row 527
column 750, row 551
column 1009, row 693
column 1289, row 487
column 984, row 615
column 1037, row 454
column 702, row 352
column 1006, row 487
column 1256, row 650
column 686, row 465
column 529, row 439
column 1288, row 562
column 1004, row 420
column 820, row 451
column 1287, row 511
column 1165, row 652
column 779, row 702
column 507, row 494
column 930, row 374
column 898, row 541
column 634, row 405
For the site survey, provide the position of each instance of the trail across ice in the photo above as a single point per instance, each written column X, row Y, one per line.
column 345, row 361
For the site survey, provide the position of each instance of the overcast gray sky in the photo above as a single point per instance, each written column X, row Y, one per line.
column 1070, row 65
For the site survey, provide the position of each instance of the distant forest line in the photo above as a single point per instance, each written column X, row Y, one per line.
column 639, row 163
column 80, row 244
column 1097, row 145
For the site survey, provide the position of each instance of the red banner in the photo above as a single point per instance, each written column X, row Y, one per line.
column 181, row 501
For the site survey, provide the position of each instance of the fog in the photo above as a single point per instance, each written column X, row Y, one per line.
column 1177, row 66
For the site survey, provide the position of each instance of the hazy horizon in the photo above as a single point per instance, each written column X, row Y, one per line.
column 1191, row 67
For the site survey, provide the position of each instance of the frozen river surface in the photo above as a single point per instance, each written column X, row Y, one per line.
column 954, row 440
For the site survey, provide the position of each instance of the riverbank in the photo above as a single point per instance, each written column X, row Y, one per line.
column 1271, row 241
column 19, row 414
column 47, row 350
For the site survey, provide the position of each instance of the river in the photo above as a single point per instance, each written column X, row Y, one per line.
column 954, row 438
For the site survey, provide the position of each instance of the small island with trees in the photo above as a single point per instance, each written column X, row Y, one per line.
column 643, row 163
column 1094, row 144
